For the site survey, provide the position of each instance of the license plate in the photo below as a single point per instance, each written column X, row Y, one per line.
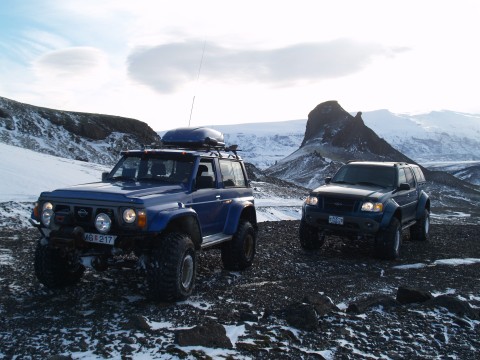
column 100, row 239
column 336, row 220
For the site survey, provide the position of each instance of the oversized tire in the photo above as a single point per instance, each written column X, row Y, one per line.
column 310, row 237
column 238, row 253
column 171, row 269
column 388, row 241
column 54, row 270
column 420, row 231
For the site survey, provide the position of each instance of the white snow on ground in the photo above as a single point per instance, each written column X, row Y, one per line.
column 277, row 209
column 449, row 262
column 456, row 262
column 24, row 174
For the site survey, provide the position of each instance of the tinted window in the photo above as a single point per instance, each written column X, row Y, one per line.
column 382, row 176
column 401, row 176
column 205, row 177
column 232, row 173
column 418, row 174
column 157, row 168
column 410, row 179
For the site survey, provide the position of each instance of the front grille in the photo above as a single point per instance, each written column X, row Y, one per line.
column 335, row 204
column 83, row 214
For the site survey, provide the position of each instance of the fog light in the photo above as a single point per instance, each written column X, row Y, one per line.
column 103, row 223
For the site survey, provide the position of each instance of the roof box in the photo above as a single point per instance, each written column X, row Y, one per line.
column 194, row 138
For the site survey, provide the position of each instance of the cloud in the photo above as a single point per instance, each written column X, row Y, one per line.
column 167, row 67
column 71, row 62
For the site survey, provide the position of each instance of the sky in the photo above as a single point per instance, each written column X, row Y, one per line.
column 193, row 63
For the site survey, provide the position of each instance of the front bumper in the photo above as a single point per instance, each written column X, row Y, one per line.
column 73, row 237
column 367, row 224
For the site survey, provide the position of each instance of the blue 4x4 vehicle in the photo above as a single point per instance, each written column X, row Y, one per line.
column 156, row 208
column 371, row 199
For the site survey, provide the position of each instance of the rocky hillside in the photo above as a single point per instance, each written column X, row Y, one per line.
column 332, row 137
column 73, row 135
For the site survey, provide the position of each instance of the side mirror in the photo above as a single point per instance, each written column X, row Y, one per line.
column 328, row 179
column 404, row 186
column 105, row 176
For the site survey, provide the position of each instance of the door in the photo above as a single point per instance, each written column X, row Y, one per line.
column 206, row 199
column 407, row 199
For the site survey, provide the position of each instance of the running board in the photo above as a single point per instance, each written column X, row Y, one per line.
column 215, row 239
column 407, row 225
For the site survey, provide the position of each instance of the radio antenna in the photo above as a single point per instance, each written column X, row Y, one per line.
column 198, row 77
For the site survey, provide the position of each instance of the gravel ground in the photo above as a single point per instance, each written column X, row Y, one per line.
column 336, row 303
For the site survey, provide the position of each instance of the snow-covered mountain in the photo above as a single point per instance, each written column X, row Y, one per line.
column 264, row 144
column 436, row 136
column 81, row 136
column 426, row 138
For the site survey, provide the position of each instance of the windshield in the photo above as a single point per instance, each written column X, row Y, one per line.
column 380, row 176
column 149, row 167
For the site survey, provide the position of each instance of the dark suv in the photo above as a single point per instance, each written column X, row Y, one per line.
column 370, row 199
column 154, row 210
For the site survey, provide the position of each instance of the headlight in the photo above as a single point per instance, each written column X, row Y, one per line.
column 47, row 213
column 372, row 206
column 129, row 216
column 103, row 223
column 311, row 200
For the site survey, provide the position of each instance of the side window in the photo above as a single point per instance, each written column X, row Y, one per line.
column 205, row 177
column 418, row 174
column 232, row 174
column 410, row 179
column 401, row 177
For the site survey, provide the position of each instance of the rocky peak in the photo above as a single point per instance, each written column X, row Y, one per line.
column 323, row 119
column 330, row 125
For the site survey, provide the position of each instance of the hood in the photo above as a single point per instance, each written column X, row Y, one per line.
column 115, row 191
column 351, row 191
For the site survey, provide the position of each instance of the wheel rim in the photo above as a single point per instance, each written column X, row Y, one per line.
column 427, row 225
column 396, row 245
column 249, row 247
column 187, row 271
